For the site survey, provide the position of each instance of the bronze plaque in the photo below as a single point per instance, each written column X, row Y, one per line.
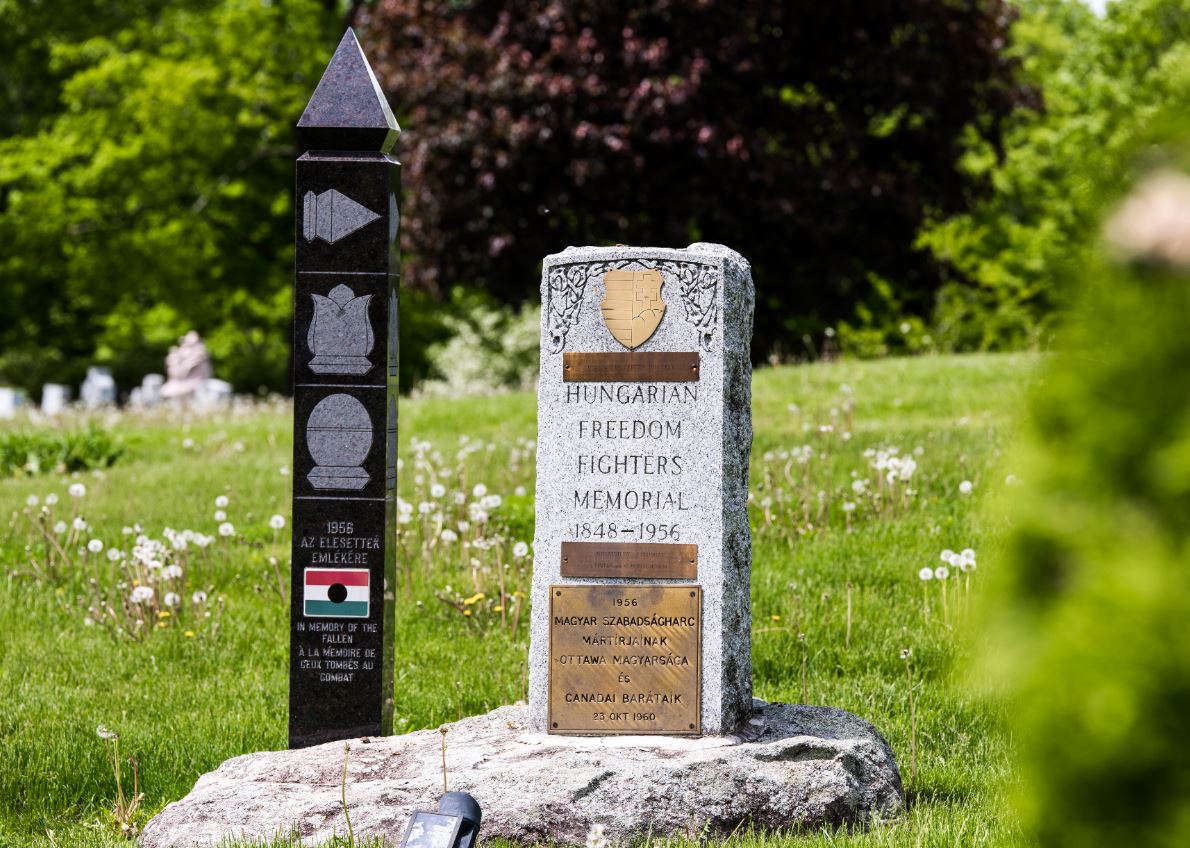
column 625, row 659
column 645, row 367
column 629, row 559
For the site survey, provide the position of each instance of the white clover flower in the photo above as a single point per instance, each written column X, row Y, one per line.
column 226, row 529
column 172, row 599
column 520, row 550
column 479, row 491
column 77, row 490
column 60, row 527
column 79, row 524
column 32, row 500
column 220, row 515
column 966, row 487
column 277, row 522
column 51, row 499
column 95, row 546
column 941, row 572
column 437, row 490
column 141, row 595
column 199, row 597
column 221, row 502
column 926, row 573
column 113, row 554
column 448, row 536
column 519, row 491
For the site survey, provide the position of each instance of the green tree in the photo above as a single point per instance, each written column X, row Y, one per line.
column 812, row 137
column 1104, row 84
column 153, row 194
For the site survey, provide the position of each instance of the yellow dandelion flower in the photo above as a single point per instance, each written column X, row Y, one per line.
column 189, row 634
column 161, row 625
column 467, row 612
column 163, row 613
column 499, row 608
column 776, row 618
column 60, row 591
column 474, row 599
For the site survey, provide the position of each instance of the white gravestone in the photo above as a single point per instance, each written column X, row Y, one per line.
column 54, row 398
column 644, row 433
column 10, row 401
column 98, row 389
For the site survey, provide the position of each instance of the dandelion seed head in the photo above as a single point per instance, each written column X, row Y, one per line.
column 77, row 490
column 926, row 573
column 221, row 502
column 95, row 546
column 227, row 530
column 966, row 487
column 277, row 522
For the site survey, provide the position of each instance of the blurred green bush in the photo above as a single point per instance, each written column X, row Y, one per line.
column 1092, row 605
column 26, row 453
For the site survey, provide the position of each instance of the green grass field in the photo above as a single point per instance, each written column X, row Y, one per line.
column 184, row 703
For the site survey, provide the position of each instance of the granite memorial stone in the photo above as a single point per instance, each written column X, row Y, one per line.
column 345, row 409
column 641, row 619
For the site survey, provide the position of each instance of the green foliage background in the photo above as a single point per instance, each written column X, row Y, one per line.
column 1091, row 602
column 148, row 190
column 145, row 187
column 1103, row 85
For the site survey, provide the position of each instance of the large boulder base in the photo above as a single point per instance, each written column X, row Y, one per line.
column 789, row 766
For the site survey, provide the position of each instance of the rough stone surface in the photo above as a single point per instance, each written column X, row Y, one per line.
column 709, row 299
column 788, row 766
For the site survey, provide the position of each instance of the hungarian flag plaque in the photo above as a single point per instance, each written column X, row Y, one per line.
column 335, row 593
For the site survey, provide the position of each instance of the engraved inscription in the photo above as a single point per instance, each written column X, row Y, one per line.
column 624, row 659
column 629, row 559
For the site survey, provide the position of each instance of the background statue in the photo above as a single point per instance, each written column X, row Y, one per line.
column 187, row 367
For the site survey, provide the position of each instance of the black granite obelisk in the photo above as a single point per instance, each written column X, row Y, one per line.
column 345, row 409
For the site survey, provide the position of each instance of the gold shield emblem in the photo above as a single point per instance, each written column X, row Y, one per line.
column 632, row 305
